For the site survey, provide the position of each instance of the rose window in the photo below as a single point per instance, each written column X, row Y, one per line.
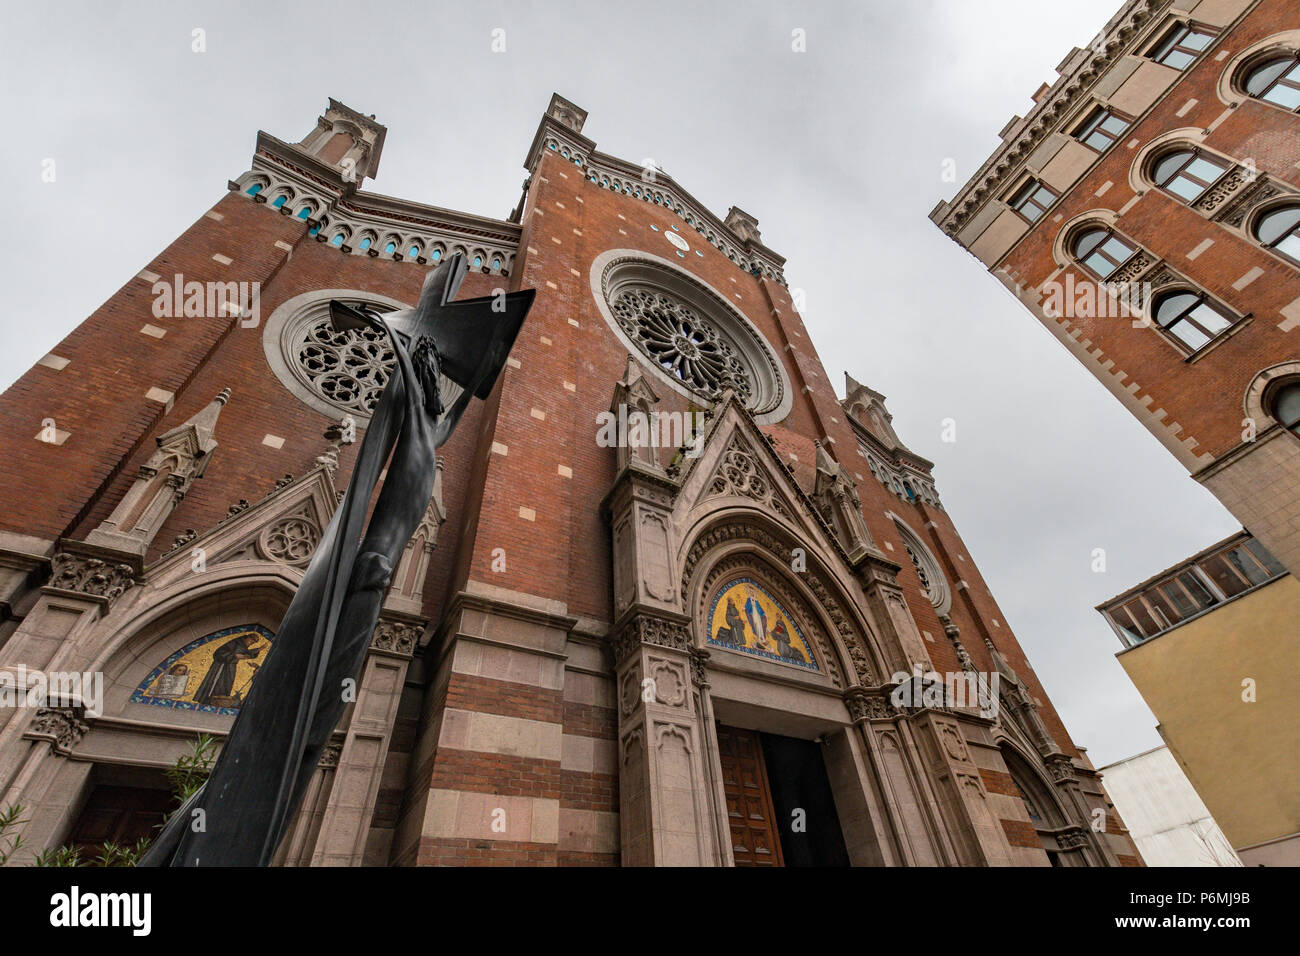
column 348, row 369
column 689, row 334
column 684, row 344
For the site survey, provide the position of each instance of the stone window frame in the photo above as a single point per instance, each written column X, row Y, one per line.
column 777, row 393
column 1111, row 232
column 1260, row 400
column 936, row 588
column 1179, row 27
column 1097, row 111
column 1226, row 165
column 1251, row 225
column 1229, row 314
column 1030, row 185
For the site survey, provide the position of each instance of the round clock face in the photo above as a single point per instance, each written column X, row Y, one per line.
column 677, row 241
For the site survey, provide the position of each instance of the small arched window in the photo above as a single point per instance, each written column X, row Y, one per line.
column 254, row 189
column 1279, row 230
column 1190, row 317
column 304, row 212
column 365, row 244
column 1276, row 81
column 1188, row 173
column 390, row 248
column 1286, row 407
column 413, row 252
column 337, row 240
column 1102, row 252
column 279, row 202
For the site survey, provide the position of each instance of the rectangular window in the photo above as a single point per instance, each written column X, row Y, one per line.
column 1182, row 45
column 1032, row 200
column 1101, row 129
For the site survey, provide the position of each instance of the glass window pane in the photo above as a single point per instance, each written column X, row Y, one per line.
column 1197, row 40
column 1144, row 621
column 1206, row 169
column 1171, row 307
column 1262, row 554
column 1088, row 241
column 1113, row 124
column 1264, row 75
column 1169, row 165
column 1276, row 224
column 1189, row 334
column 1098, row 141
column 1177, row 59
column 1286, row 408
column 1290, row 246
column 1185, row 188
column 1162, row 608
column 1180, row 601
column 1229, row 582
column 1210, row 318
column 1044, row 197
column 1241, row 559
column 1099, row 264
column 1284, row 96
column 1116, row 249
column 1030, row 211
column 1200, row 594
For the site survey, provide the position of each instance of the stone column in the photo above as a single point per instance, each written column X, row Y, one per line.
column 664, row 807
column 345, row 824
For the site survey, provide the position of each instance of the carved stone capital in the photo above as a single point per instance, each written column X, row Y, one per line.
column 329, row 756
column 397, row 637
column 864, row 705
column 644, row 629
column 91, row 573
column 61, row 726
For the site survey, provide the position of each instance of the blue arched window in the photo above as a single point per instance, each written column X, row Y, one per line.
column 365, row 244
column 254, row 189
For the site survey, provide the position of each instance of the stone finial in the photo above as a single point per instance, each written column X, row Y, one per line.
column 743, row 225
column 566, row 113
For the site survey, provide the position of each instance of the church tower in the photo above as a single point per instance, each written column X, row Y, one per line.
column 673, row 602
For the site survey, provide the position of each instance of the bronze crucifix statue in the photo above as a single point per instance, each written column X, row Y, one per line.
column 241, row 813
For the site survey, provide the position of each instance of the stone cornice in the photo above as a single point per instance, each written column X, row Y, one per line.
column 1079, row 73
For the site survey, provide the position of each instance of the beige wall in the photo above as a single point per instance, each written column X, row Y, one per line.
column 1243, row 758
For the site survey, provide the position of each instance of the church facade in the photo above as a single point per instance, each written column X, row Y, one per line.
column 673, row 602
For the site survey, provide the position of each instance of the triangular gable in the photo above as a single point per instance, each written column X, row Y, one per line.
column 284, row 527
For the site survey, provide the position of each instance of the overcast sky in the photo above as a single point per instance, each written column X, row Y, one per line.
column 838, row 151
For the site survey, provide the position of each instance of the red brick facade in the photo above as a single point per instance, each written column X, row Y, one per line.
column 523, row 484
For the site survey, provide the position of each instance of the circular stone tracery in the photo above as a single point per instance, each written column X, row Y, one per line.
column 684, row 344
column 348, row 369
column 695, row 339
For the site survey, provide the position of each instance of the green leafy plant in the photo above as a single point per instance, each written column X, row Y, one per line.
column 58, row 856
column 10, row 819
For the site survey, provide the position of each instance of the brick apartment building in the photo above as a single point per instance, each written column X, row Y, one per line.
column 594, row 652
column 1163, row 164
